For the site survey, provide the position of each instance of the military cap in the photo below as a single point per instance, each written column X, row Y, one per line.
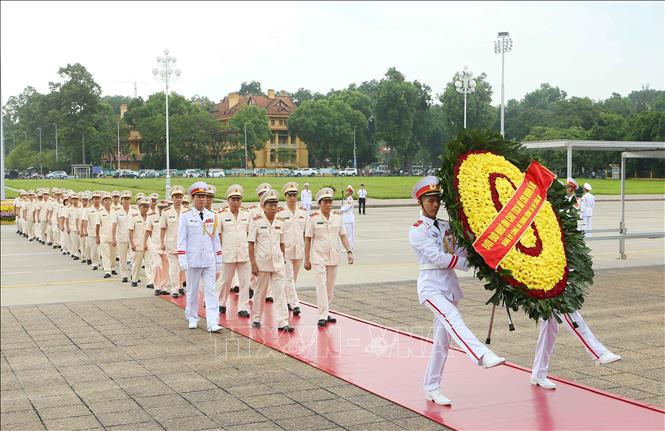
column 96, row 194
column 211, row 190
column 126, row 194
column 154, row 196
column 291, row 186
column 144, row 201
column 177, row 190
column 429, row 185
column 587, row 187
column 325, row 193
column 74, row 196
column 263, row 187
column 235, row 190
column 198, row 187
column 269, row 195
column 572, row 183
column 139, row 196
column 115, row 193
column 106, row 195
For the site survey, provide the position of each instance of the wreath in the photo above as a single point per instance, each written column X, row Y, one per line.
column 549, row 269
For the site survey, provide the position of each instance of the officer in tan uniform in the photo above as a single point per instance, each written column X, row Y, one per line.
column 104, row 233
column 154, row 197
column 89, row 227
column 168, row 224
column 115, row 200
column 266, row 253
column 321, row 232
column 40, row 215
column 294, row 220
column 210, row 196
column 137, row 240
column 120, row 232
column 233, row 225
column 83, row 243
column 29, row 216
column 254, row 210
column 153, row 244
column 62, row 214
column 52, row 216
column 72, row 226
column 147, row 255
column 18, row 211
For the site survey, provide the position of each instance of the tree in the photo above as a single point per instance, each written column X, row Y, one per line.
column 258, row 129
column 251, row 88
column 480, row 114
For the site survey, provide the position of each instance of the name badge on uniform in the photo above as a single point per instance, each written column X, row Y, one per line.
column 277, row 227
column 263, row 227
column 227, row 219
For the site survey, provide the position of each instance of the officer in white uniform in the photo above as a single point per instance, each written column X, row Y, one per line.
column 438, row 288
column 306, row 198
column 294, row 220
column 200, row 256
column 347, row 216
column 587, row 203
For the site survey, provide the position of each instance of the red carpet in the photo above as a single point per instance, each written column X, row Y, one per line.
column 391, row 365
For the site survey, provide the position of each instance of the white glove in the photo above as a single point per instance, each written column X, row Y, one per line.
column 219, row 267
column 184, row 267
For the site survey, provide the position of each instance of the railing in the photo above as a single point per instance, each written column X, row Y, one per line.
column 622, row 237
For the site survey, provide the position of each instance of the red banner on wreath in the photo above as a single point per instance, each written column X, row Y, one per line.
column 516, row 216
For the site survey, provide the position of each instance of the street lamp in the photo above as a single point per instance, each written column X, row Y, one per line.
column 245, row 126
column 502, row 45
column 165, row 73
column 56, row 142
column 40, row 151
column 465, row 84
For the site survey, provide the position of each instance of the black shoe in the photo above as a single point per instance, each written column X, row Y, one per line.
column 107, row 275
column 49, row 243
column 222, row 309
column 76, row 257
column 117, row 259
column 269, row 299
column 164, row 292
column 251, row 293
column 286, row 328
column 89, row 262
column 150, row 286
column 181, row 291
column 235, row 289
column 134, row 284
column 296, row 311
column 55, row 247
column 94, row 268
column 175, row 295
column 124, row 279
column 114, row 273
column 31, row 239
column 288, row 306
column 256, row 324
column 332, row 319
column 243, row 313
column 322, row 322
column 157, row 292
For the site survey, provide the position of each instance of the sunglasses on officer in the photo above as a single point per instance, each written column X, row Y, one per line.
column 291, row 194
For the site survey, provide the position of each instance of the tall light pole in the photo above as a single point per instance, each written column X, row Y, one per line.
column 245, row 147
column 165, row 73
column 502, row 45
column 2, row 156
column 40, row 151
column 465, row 84
column 56, row 142
column 355, row 165
column 118, row 144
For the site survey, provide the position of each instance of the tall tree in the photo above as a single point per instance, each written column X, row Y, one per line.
column 258, row 129
column 480, row 113
column 248, row 88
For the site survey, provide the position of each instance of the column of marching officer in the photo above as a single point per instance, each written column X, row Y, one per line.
column 177, row 245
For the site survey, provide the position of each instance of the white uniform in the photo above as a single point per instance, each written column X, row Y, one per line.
column 349, row 220
column 200, row 256
column 294, row 244
column 439, row 291
column 235, row 254
column 306, row 199
column 587, row 203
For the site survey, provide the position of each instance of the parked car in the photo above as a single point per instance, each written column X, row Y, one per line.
column 305, row 172
column 149, row 173
column 216, row 173
column 57, row 175
column 32, row 173
column 11, row 174
column 191, row 173
column 125, row 173
column 379, row 171
column 348, row 172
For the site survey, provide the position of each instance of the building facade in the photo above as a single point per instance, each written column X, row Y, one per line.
column 282, row 150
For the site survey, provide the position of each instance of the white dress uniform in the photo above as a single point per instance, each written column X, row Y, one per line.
column 169, row 222
column 348, row 218
column 200, row 256
column 587, row 203
column 294, row 244
column 306, row 200
column 439, row 291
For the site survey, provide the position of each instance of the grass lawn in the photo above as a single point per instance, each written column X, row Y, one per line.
column 377, row 187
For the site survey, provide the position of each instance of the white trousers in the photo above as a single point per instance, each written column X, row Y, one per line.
column 56, row 234
column 194, row 276
column 548, row 332
column 83, row 245
column 324, row 280
column 49, row 233
column 243, row 270
column 122, row 249
column 587, row 226
column 147, row 262
column 74, row 243
column 105, row 248
column 94, row 249
column 448, row 325
column 136, row 265
column 292, row 270
column 280, row 312
column 64, row 241
column 350, row 233
column 174, row 273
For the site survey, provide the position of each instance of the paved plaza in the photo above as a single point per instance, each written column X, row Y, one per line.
column 80, row 352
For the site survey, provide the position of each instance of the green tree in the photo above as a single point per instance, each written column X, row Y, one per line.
column 251, row 88
column 480, row 114
column 303, row 95
column 258, row 129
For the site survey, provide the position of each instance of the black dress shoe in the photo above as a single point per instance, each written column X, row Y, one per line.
column 286, row 328
column 175, row 295
column 134, row 284
column 256, row 324
column 55, row 247
column 251, row 293
column 296, row 311
column 222, row 309
column 117, row 259
column 164, row 292
column 150, row 286
column 288, row 306
column 243, row 313
column 94, row 268
column 322, row 322
column 269, row 299
column 89, row 262
column 31, row 239
column 235, row 289
column 107, row 275
column 181, row 291
column 124, row 279
column 332, row 319
column 157, row 292
column 49, row 243
column 114, row 273
column 184, row 284
column 75, row 257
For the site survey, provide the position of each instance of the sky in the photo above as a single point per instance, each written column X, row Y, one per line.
column 586, row 48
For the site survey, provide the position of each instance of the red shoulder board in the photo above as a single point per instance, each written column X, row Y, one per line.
column 418, row 223
column 314, row 214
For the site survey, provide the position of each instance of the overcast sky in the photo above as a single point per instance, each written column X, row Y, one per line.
column 587, row 49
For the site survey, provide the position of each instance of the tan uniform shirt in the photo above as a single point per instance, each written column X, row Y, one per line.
column 294, row 228
column 170, row 219
column 137, row 231
column 91, row 217
column 62, row 212
column 30, row 210
column 266, row 238
column 325, row 234
column 152, row 226
column 43, row 208
column 121, row 218
column 234, row 235
column 105, row 223
column 73, row 218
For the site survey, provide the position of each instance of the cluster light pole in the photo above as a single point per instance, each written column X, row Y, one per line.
column 166, row 73
column 465, row 84
column 503, row 45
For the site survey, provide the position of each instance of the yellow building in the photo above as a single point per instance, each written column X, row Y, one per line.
column 279, row 107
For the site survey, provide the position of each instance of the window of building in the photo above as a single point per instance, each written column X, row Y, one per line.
column 272, row 122
column 283, row 140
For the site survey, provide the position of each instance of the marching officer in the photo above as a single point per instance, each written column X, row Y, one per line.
column 266, row 253
column 294, row 220
column 438, row 288
column 200, row 256
column 306, row 198
column 168, row 223
column 104, row 233
column 321, row 232
column 83, row 240
column 255, row 210
column 62, row 214
column 587, row 203
column 120, row 232
column 153, row 245
column 89, row 226
column 347, row 216
column 210, row 196
column 137, row 240
column 233, row 225
column 72, row 225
